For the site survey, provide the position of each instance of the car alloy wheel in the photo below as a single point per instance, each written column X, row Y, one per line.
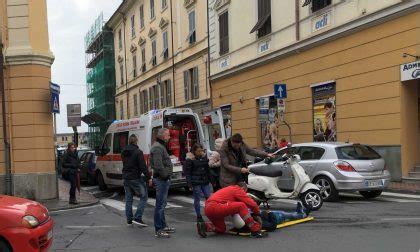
column 327, row 189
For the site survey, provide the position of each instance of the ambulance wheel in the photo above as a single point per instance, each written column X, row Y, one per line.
column 101, row 182
column 312, row 200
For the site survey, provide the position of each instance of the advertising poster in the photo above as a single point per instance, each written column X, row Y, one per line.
column 324, row 111
column 268, row 119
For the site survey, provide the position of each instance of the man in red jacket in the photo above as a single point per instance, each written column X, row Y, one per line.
column 227, row 201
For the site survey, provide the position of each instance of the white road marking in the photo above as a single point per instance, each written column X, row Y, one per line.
column 72, row 209
column 402, row 219
column 152, row 202
column 187, row 200
column 87, row 188
column 114, row 204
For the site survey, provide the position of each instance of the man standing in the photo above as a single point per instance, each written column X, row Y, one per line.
column 229, row 201
column 233, row 160
column 162, row 170
column 71, row 165
column 133, row 168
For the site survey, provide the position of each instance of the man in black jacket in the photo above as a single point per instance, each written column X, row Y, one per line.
column 134, row 167
column 71, row 165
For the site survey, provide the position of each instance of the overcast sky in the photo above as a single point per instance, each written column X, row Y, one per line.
column 68, row 22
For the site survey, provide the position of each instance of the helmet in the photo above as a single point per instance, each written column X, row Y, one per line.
column 238, row 222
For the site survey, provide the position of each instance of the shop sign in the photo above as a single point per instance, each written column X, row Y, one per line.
column 322, row 21
column 410, row 71
column 224, row 62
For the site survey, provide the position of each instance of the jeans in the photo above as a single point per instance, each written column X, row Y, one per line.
column 197, row 190
column 138, row 188
column 72, row 179
column 162, row 188
column 282, row 216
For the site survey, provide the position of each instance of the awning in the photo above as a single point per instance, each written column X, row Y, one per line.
column 92, row 118
column 307, row 2
column 261, row 23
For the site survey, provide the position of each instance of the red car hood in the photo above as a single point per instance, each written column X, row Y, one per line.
column 24, row 207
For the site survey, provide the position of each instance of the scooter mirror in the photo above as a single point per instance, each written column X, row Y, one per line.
column 289, row 145
column 268, row 160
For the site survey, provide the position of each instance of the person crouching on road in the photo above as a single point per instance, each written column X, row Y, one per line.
column 71, row 164
column 162, row 170
column 134, row 167
column 197, row 171
column 229, row 201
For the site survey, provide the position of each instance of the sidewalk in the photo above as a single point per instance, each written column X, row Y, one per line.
column 399, row 187
column 84, row 198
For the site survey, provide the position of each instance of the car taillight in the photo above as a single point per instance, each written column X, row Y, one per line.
column 343, row 166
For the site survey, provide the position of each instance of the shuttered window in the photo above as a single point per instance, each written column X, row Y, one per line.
column 224, row 33
column 263, row 26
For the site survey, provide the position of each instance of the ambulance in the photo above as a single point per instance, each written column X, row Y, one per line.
column 184, row 127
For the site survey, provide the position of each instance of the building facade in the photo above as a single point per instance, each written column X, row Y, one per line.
column 160, row 56
column 63, row 139
column 340, row 61
column 27, row 140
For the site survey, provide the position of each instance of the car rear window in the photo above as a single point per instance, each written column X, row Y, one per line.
column 357, row 152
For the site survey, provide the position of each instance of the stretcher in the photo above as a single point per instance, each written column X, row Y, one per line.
column 234, row 231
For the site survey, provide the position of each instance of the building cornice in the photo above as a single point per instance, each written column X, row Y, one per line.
column 25, row 56
column 323, row 38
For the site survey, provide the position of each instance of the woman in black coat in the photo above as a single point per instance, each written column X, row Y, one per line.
column 71, row 164
column 198, row 176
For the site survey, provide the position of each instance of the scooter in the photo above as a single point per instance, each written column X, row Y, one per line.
column 263, row 178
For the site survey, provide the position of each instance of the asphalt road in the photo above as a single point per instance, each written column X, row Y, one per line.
column 352, row 224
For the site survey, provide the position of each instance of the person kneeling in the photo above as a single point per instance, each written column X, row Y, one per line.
column 229, row 201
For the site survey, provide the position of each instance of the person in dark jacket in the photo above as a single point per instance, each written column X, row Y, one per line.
column 197, row 171
column 135, row 173
column 71, row 165
column 233, row 160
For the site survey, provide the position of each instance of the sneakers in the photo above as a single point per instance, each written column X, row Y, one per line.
column 130, row 223
column 73, row 202
column 259, row 234
column 201, row 229
column 302, row 210
column 169, row 230
column 162, row 234
column 140, row 223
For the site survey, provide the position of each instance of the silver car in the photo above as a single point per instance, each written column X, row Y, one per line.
column 338, row 167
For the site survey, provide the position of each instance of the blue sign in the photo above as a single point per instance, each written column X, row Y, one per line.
column 55, row 98
column 280, row 91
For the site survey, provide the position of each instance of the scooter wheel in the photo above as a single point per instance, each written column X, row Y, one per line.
column 312, row 200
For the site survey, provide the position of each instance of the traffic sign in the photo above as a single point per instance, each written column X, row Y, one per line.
column 280, row 91
column 55, row 98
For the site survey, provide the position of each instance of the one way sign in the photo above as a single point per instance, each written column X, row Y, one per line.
column 280, row 91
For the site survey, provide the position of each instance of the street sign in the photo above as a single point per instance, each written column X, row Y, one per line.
column 264, row 103
column 74, row 112
column 280, row 91
column 55, row 98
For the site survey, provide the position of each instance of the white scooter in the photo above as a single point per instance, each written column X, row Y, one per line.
column 264, row 176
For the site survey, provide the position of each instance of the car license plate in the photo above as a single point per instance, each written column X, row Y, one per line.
column 50, row 234
column 374, row 183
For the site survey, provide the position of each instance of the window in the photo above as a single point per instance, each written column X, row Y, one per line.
column 106, row 145
column 191, row 27
column 134, row 65
column 165, row 51
column 120, row 141
column 263, row 26
column 153, row 60
column 152, row 9
column 162, row 94
column 141, row 17
column 311, row 153
column 223, row 33
column 143, row 101
column 320, row 4
column 168, row 93
column 133, row 27
column 121, row 109
column 156, row 95
column 164, row 4
column 62, row 138
column 136, row 109
column 357, row 152
column 119, row 39
column 151, row 99
column 191, row 87
column 121, row 73
column 143, row 59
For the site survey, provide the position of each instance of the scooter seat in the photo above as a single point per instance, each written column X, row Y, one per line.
column 267, row 171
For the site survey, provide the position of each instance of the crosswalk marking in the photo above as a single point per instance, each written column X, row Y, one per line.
column 152, row 202
column 187, row 200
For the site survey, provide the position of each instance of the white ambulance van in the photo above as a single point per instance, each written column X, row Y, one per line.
column 185, row 129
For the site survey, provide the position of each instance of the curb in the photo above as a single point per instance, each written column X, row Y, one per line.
column 67, row 207
column 417, row 193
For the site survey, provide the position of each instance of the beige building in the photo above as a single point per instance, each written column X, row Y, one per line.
column 160, row 56
column 341, row 63
column 26, row 168
column 63, row 139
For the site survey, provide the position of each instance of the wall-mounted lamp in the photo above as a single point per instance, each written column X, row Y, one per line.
column 241, row 99
column 414, row 56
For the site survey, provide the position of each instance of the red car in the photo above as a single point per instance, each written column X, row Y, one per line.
column 25, row 225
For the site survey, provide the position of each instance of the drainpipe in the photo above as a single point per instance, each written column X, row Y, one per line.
column 208, row 54
column 6, row 143
column 173, row 54
column 125, row 67
column 297, row 19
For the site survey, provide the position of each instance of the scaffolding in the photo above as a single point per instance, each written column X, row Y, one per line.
column 100, row 80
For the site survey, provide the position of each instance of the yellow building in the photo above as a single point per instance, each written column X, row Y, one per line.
column 28, row 170
column 341, row 63
column 160, row 56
